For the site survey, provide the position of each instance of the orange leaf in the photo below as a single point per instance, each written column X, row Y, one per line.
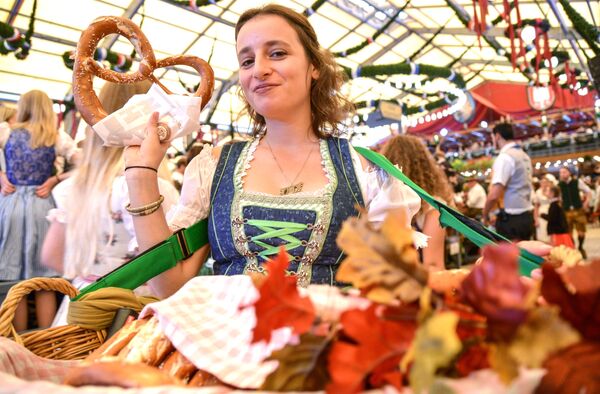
column 368, row 346
column 280, row 304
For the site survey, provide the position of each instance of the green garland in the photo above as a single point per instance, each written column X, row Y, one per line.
column 374, row 70
column 406, row 110
column 588, row 32
column 561, row 56
column 11, row 39
column 118, row 62
column 370, row 40
column 199, row 3
column 313, row 8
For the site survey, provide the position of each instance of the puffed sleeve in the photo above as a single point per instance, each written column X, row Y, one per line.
column 65, row 146
column 60, row 193
column 194, row 201
column 383, row 193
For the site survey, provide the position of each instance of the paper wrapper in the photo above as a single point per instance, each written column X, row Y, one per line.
column 127, row 126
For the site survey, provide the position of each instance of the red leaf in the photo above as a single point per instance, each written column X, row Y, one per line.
column 472, row 359
column 376, row 347
column 493, row 288
column 280, row 304
column 580, row 309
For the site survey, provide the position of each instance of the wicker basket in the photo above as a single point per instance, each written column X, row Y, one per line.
column 69, row 342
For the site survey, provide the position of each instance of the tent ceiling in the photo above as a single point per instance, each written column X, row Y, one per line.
column 340, row 24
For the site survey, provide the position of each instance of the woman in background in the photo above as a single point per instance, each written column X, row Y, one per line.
column 30, row 150
column 411, row 155
column 91, row 233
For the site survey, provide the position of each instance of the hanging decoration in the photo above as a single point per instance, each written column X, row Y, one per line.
column 370, row 40
column 410, row 68
column 588, row 32
column 542, row 26
column 478, row 23
column 511, row 30
column 117, row 61
column 11, row 39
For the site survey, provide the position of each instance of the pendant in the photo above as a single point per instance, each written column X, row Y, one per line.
column 297, row 188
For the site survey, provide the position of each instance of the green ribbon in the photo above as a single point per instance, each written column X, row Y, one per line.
column 450, row 217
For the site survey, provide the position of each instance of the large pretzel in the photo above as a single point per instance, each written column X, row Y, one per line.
column 85, row 67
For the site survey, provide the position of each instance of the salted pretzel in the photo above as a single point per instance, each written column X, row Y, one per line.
column 85, row 67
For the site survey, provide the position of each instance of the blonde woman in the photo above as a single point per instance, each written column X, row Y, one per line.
column 411, row 155
column 29, row 149
column 91, row 233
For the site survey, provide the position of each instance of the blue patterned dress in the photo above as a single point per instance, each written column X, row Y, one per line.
column 23, row 223
column 246, row 228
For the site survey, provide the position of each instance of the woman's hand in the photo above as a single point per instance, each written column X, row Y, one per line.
column 43, row 190
column 151, row 152
column 5, row 185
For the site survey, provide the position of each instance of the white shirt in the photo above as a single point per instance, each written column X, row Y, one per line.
column 380, row 194
column 476, row 197
column 504, row 166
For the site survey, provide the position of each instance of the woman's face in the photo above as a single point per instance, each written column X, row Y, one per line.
column 275, row 73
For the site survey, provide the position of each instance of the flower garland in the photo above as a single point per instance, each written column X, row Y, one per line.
column 406, row 110
column 11, row 39
column 370, row 40
column 118, row 61
column 588, row 32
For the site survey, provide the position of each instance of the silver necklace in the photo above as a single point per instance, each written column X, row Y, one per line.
column 293, row 186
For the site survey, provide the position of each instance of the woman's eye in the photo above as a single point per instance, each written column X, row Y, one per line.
column 278, row 53
column 246, row 63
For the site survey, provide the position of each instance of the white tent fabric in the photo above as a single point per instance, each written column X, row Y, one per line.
column 340, row 24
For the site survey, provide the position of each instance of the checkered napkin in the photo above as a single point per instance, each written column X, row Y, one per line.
column 19, row 362
column 205, row 321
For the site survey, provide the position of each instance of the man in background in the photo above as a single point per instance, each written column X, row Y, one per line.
column 511, row 180
column 572, row 189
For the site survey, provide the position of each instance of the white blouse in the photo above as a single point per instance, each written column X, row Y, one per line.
column 380, row 192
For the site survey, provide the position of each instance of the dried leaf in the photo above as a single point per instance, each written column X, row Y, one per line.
column 573, row 370
column 367, row 344
column 435, row 346
column 584, row 278
column 580, row 309
column 472, row 358
column 542, row 334
column 493, row 289
column 302, row 367
column 383, row 263
column 502, row 362
column 565, row 256
column 280, row 304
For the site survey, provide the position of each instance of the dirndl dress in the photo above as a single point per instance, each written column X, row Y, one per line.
column 23, row 223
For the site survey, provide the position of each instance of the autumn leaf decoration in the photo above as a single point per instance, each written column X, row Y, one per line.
column 369, row 350
column 280, row 304
column 384, row 264
column 302, row 367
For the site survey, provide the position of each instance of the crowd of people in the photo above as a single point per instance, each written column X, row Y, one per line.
column 291, row 186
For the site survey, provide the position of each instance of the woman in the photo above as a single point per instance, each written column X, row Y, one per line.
column 411, row 155
column 30, row 149
column 292, row 186
column 91, row 233
column 541, row 204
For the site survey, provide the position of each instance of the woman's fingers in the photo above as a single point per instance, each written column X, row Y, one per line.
column 536, row 247
column 151, row 151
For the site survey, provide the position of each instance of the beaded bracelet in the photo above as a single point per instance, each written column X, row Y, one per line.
column 145, row 209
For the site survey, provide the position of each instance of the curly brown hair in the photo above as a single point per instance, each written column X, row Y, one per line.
column 328, row 107
column 417, row 163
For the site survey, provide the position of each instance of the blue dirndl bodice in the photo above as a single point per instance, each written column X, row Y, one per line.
column 247, row 228
column 26, row 166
